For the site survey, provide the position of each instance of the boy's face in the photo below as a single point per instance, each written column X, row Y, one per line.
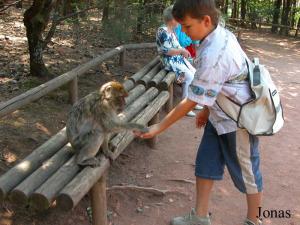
column 196, row 29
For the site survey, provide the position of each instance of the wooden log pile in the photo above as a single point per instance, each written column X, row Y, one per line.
column 50, row 172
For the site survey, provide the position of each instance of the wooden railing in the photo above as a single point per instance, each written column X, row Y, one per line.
column 261, row 23
column 50, row 173
column 68, row 77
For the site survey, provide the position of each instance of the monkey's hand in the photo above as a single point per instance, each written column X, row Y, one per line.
column 108, row 154
column 139, row 128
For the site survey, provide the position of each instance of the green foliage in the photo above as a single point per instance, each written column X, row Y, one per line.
column 123, row 23
column 260, row 10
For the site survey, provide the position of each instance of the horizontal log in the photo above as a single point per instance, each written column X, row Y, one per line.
column 23, row 169
column 69, row 197
column 43, row 89
column 262, row 23
column 128, row 85
column 137, row 76
column 135, row 93
column 135, row 107
column 157, row 78
column 165, row 83
column 120, row 142
column 145, row 79
column 20, row 194
column 42, row 198
column 140, row 46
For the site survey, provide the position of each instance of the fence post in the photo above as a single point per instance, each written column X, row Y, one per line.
column 98, row 201
column 152, row 142
column 169, row 105
column 122, row 58
column 73, row 91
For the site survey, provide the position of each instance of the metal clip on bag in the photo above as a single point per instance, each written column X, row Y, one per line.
column 263, row 114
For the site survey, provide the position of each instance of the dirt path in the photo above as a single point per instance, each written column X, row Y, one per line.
column 174, row 156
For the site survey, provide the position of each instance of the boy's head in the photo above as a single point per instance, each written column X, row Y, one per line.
column 197, row 17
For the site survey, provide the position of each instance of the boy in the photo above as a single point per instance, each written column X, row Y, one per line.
column 221, row 69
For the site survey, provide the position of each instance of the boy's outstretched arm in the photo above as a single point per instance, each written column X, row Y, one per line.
column 177, row 113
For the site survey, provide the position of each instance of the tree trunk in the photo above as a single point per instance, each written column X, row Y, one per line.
column 298, row 28
column 234, row 9
column 285, row 17
column 36, row 19
column 281, row 31
column 19, row 5
column 105, row 11
column 294, row 10
column 243, row 9
column 139, row 22
column 277, row 5
column 226, row 7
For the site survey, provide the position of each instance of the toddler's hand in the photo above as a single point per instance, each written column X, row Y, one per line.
column 185, row 53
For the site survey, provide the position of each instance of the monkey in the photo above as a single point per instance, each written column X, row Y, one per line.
column 92, row 121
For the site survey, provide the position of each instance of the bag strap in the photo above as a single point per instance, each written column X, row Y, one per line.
column 229, row 107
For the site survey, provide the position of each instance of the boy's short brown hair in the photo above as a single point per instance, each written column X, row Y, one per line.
column 196, row 9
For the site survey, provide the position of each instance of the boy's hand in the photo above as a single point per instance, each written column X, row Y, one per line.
column 153, row 131
column 202, row 117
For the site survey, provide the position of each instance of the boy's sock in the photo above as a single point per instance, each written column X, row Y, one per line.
column 249, row 222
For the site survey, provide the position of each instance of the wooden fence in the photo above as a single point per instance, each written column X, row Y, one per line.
column 260, row 23
column 68, row 77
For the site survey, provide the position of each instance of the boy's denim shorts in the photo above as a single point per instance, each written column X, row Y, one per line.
column 238, row 150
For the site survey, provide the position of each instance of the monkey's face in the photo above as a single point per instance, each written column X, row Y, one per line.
column 115, row 93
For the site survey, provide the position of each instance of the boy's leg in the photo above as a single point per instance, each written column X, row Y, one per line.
column 253, row 202
column 241, row 153
column 209, row 167
column 203, row 190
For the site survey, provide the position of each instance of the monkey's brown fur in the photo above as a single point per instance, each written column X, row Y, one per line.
column 93, row 119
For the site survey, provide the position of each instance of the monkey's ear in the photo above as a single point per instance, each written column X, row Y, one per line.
column 108, row 91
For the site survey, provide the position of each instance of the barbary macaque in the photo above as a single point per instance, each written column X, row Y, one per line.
column 92, row 121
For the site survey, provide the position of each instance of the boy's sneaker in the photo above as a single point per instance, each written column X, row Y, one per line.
column 198, row 107
column 249, row 222
column 191, row 219
column 191, row 114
